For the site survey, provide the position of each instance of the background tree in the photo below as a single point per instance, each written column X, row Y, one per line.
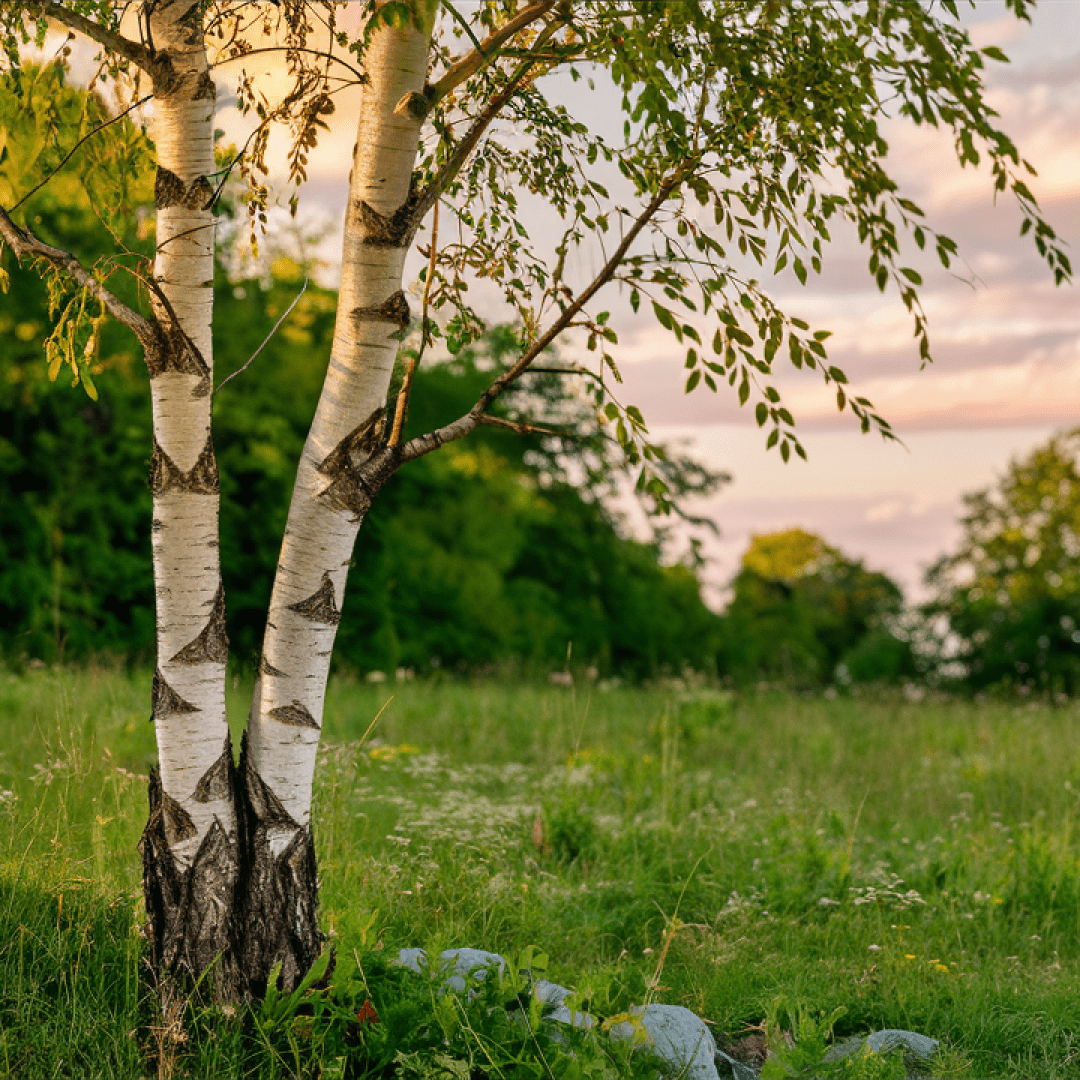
column 748, row 126
column 800, row 609
column 1011, row 592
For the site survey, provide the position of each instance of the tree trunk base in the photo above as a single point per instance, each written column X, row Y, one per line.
column 224, row 923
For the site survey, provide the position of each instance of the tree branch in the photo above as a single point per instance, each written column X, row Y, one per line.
column 402, row 407
column 458, row 429
column 487, row 420
column 468, row 142
column 134, row 51
column 481, row 56
column 23, row 243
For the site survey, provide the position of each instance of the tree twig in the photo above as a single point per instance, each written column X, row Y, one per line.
column 482, row 55
column 23, row 242
column 266, row 340
column 487, row 420
column 68, row 156
column 402, row 406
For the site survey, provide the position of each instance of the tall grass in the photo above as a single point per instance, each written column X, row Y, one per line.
column 914, row 862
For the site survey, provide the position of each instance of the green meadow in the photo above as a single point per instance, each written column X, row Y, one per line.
column 915, row 864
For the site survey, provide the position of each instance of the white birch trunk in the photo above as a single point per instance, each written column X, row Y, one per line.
column 329, row 501
column 193, row 816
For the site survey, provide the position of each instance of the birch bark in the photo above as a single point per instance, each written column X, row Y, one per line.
column 329, row 499
column 189, row 848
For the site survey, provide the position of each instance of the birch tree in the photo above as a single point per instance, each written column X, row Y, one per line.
column 748, row 130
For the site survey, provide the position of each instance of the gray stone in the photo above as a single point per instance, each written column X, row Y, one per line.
column 413, row 959
column 552, row 994
column 468, row 965
column 678, row 1037
column 918, row 1049
column 738, row 1070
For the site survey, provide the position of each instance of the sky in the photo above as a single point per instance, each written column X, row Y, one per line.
column 1005, row 341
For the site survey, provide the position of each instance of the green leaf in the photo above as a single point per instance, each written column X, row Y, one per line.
column 761, row 413
column 693, row 380
column 995, row 54
column 663, row 316
column 837, row 375
column 744, row 388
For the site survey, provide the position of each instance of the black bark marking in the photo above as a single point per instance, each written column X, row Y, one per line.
column 395, row 309
column 174, row 351
column 205, row 87
column 321, row 606
column 351, row 488
column 296, row 715
column 170, row 190
column 262, row 803
column 212, row 644
column 216, row 782
column 177, row 821
column 383, row 231
column 237, row 911
column 165, row 700
column 266, row 668
column 190, row 911
column 201, row 479
column 200, row 195
column 279, row 905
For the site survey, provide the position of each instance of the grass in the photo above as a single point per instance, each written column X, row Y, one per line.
column 915, row 863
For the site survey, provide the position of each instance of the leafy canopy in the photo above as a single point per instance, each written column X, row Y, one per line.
column 749, row 129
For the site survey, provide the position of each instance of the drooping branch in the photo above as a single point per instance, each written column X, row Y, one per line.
column 458, row 429
column 134, row 51
column 23, row 242
column 486, row 51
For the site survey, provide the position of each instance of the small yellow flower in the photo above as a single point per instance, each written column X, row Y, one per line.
column 940, row 967
column 909, row 956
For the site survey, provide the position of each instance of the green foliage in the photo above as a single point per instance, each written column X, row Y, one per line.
column 742, row 150
column 802, row 612
column 495, row 551
column 1011, row 592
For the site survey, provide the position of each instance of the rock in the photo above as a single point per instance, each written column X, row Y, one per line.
column 552, row 994
column 413, row 959
column 918, row 1049
column 678, row 1037
column 468, row 964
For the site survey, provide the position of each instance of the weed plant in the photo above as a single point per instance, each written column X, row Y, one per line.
column 915, row 864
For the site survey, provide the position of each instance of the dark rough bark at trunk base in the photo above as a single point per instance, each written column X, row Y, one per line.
column 226, row 921
column 278, row 905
